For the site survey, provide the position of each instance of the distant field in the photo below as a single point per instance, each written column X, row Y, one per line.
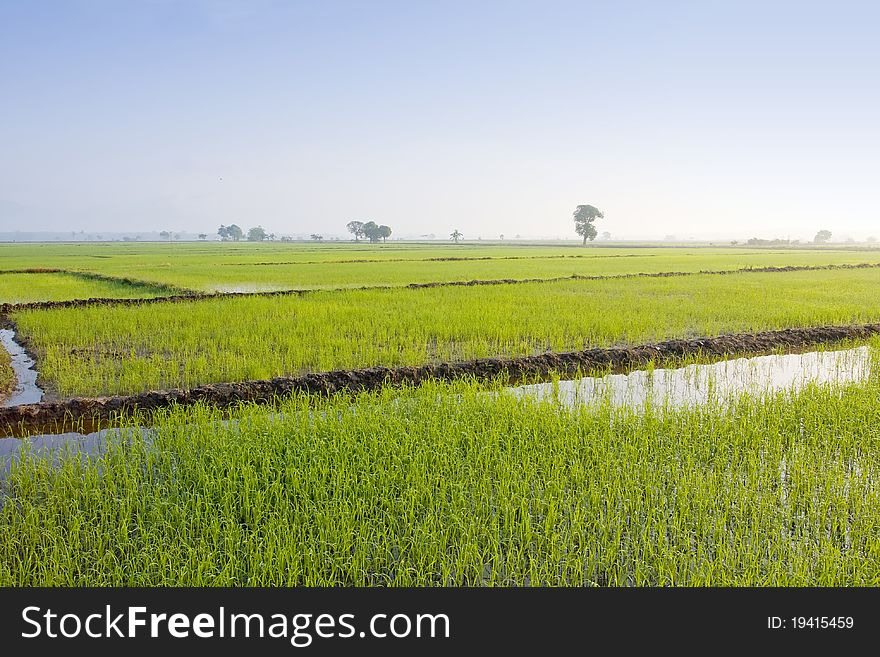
column 129, row 349
column 243, row 267
column 24, row 288
column 98, row 256
column 255, row 278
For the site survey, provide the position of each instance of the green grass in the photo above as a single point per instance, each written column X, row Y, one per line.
column 25, row 288
column 449, row 486
column 260, row 267
column 96, row 350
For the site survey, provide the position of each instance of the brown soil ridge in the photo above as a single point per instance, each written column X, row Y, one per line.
column 92, row 412
column 201, row 296
column 356, row 261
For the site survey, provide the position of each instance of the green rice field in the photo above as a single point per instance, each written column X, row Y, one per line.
column 26, row 288
column 461, row 488
column 123, row 349
column 220, row 267
column 441, row 484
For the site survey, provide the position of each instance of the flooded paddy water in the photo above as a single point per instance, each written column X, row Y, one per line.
column 699, row 384
column 26, row 389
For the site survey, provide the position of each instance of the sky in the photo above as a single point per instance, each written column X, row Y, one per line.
column 694, row 119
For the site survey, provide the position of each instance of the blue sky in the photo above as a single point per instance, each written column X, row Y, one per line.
column 687, row 118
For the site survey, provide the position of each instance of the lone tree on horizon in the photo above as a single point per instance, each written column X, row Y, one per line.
column 456, row 235
column 822, row 236
column 584, row 216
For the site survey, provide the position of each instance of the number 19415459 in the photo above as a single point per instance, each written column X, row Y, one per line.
column 810, row 623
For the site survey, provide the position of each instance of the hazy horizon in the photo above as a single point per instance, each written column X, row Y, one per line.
column 703, row 120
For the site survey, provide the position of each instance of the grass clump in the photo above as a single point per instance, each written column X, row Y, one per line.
column 7, row 374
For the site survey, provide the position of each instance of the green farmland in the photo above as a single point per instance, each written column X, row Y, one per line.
column 125, row 349
column 473, row 491
column 438, row 484
column 228, row 267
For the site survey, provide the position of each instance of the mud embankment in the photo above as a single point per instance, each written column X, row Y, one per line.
column 354, row 261
column 659, row 274
column 200, row 296
column 92, row 413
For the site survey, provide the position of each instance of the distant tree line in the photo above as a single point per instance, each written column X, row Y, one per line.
column 821, row 237
column 234, row 233
column 757, row 241
column 368, row 230
column 230, row 233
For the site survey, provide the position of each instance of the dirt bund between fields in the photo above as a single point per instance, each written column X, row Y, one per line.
column 362, row 261
column 90, row 414
column 185, row 296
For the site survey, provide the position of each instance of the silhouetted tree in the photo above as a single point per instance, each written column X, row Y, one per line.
column 231, row 232
column 356, row 228
column 584, row 217
column 456, row 235
column 374, row 232
column 256, row 234
column 370, row 230
column 822, row 236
